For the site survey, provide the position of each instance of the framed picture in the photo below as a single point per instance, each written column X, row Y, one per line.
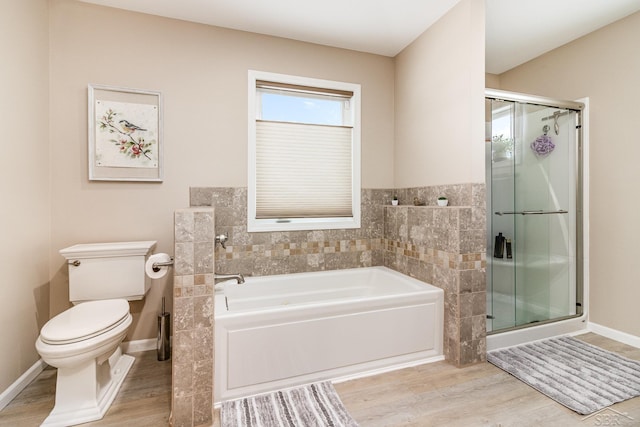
column 125, row 134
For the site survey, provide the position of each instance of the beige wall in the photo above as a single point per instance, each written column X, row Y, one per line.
column 492, row 81
column 440, row 102
column 24, row 183
column 605, row 67
column 202, row 74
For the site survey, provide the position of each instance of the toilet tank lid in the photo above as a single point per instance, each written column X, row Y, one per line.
column 84, row 320
column 98, row 250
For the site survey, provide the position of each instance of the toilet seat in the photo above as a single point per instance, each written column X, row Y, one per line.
column 85, row 321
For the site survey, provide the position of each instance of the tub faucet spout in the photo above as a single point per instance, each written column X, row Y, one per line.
column 220, row 277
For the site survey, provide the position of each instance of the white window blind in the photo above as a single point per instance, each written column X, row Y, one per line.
column 303, row 170
column 304, row 153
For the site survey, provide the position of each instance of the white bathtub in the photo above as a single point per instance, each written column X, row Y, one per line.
column 279, row 331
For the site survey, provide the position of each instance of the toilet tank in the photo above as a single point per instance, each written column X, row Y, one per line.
column 108, row 270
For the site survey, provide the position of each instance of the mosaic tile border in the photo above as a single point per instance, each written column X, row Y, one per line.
column 277, row 250
column 470, row 261
column 453, row 261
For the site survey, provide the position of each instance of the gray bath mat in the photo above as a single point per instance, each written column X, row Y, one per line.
column 580, row 376
column 313, row 405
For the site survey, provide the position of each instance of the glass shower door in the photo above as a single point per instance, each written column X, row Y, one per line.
column 531, row 198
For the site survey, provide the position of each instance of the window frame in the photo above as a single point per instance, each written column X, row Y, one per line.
column 293, row 224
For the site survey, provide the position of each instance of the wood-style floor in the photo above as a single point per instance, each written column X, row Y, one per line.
column 439, row 394
column 435, row 394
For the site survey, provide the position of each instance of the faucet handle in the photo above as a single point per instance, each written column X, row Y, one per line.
column 222, row 239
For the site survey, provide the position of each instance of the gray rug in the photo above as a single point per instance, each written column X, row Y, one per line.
column 580, row 376
column 313, row 405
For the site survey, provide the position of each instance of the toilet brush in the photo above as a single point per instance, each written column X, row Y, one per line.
column 164, row 331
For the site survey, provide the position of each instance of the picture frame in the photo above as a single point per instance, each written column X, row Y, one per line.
column 125, row 134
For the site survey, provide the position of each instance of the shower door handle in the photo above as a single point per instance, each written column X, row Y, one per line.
column 540, row 212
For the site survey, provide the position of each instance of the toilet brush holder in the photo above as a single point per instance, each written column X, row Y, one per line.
column 164, row 331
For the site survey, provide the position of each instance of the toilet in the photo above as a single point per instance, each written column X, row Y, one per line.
column 83, row 342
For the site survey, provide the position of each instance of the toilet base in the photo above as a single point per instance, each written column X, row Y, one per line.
column 85, row 393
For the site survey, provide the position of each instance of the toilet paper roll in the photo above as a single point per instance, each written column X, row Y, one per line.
column 159, row 257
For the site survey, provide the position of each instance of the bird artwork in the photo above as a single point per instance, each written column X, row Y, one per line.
column 131, row 140
column 129, row 127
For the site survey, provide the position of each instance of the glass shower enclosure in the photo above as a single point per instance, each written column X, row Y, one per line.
column 534, row 210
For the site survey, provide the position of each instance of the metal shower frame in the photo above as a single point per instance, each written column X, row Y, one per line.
column 578, row 107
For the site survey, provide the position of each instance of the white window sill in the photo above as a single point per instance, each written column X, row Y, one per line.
column 299, row 224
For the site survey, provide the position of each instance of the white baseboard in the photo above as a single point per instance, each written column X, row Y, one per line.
column 614, row 334
column 18, row 385
column 139, row 345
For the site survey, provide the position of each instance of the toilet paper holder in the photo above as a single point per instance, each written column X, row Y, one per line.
column 156, row 265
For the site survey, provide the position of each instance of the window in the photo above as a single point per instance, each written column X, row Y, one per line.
column 304, row 153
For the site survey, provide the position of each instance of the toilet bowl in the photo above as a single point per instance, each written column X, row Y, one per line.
column 84, row 344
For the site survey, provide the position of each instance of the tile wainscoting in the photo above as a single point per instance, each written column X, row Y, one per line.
column 444, row 246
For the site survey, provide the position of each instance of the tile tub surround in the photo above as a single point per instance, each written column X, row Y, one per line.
column 444, row 246
column 192, row 326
